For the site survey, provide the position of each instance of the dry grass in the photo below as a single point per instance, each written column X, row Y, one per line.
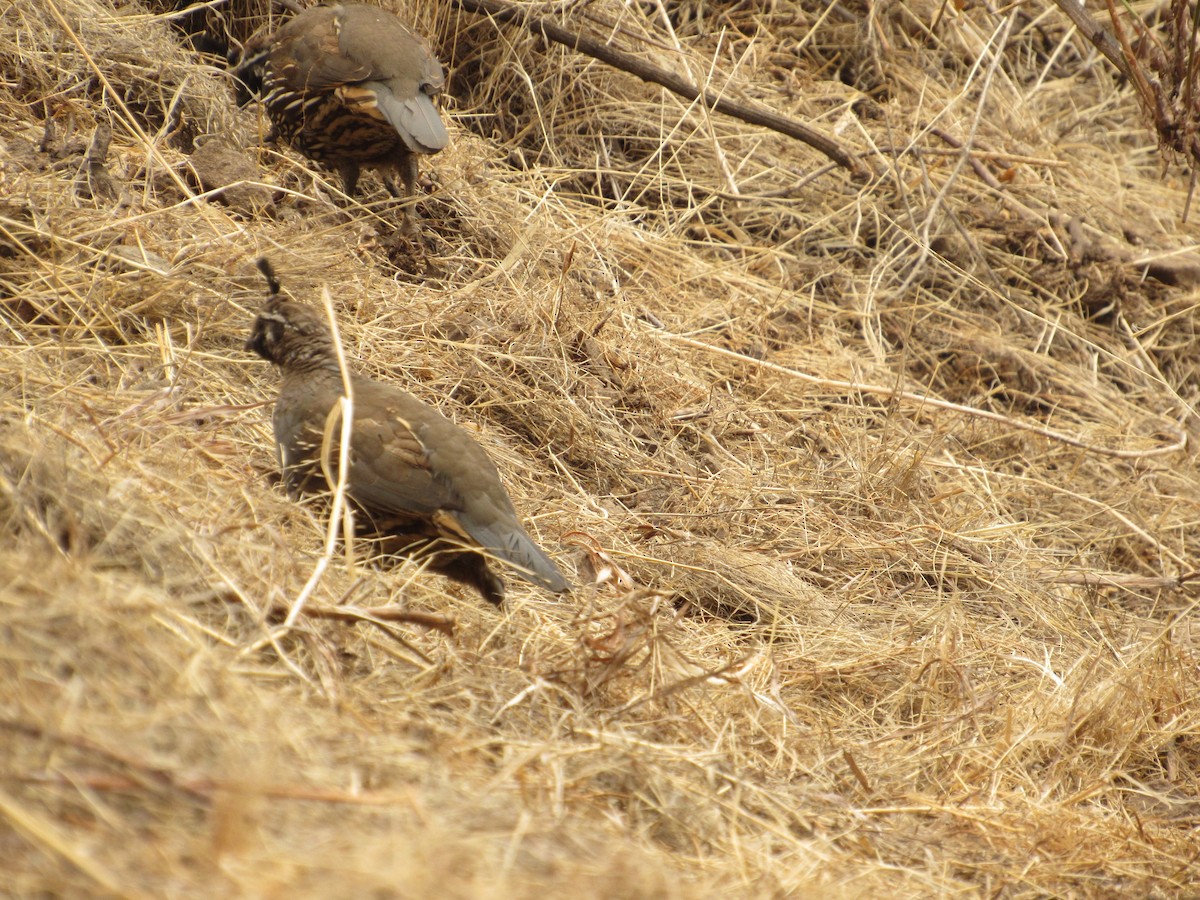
column 834, row 636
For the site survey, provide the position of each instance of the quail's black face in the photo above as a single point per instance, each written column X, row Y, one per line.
column 291, row 334
column 266, row 337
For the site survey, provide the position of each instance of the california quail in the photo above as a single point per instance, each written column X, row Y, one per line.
column 350, row 86
column 414, row 475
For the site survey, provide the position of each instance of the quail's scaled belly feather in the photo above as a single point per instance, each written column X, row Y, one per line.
column 414, row 474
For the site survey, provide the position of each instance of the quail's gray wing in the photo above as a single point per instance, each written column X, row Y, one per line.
column 411, row 460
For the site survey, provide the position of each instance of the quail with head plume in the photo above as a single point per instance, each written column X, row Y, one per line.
column 418, row 479
column 350, row 86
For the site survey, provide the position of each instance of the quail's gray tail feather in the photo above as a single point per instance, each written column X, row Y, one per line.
column 416, row 120
column 518, row 549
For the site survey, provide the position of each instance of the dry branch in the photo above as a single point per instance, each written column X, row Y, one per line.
column 1095, row 33
column 146, row 773
column 1175, row 438
column 207, row 787
column 1127, row 582
column 1162, row 70
column 377, row 615
column 747, row 111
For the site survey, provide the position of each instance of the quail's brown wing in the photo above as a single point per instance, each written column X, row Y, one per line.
column 404, row 75
column 307, row 54
column 409, row 460
column 388, row 50
column 325, row 48
column 390, row 472
column 375, row 63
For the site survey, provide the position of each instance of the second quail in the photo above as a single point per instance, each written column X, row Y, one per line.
column 351, row 86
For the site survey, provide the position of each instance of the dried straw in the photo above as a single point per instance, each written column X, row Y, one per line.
column 877, row 494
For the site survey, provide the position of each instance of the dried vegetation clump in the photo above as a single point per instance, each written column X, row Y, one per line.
column 879, row 494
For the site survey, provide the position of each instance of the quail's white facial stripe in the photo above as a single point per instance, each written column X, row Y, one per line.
column 270, row 316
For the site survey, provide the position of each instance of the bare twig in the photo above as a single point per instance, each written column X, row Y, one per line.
column 1095, row 33
column 747, row 111
column 1161, row 70
column 149, row 771
column 344, row 410
column 1128, row 582
column 206, row 787
column 374, row 614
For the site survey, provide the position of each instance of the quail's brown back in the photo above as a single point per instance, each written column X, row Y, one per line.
column 352, row 86
column 411, row 468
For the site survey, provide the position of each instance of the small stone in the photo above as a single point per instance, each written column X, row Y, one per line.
column 231, row 172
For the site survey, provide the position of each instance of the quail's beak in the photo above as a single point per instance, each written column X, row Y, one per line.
column 254, row 342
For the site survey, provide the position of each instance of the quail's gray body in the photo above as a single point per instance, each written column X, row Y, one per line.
column 413, row 473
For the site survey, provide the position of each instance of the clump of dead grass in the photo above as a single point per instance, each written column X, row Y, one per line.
column 882, row 545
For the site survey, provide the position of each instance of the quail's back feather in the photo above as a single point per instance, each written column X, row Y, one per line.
column 408, row 459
